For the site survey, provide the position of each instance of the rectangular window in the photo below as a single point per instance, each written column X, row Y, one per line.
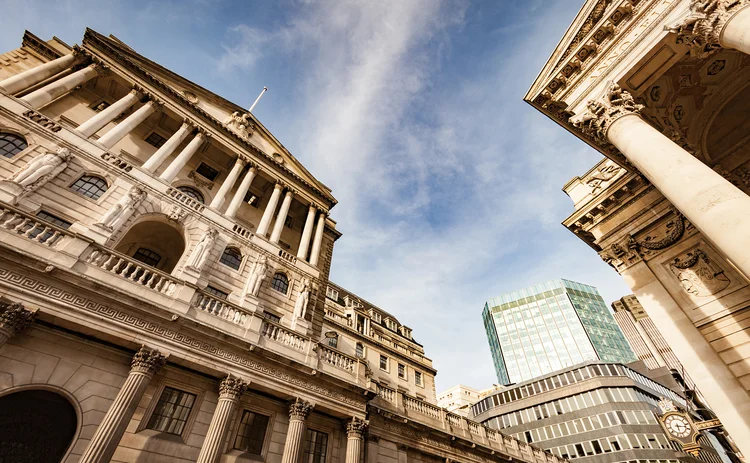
column 251, row 198
column 289, row 221
column 418, row 378
column 384, row 362
column 53, row 219
column 156, row 140
column 47, row 217
column 172, row 411
column 207, row 171
column 332, row 293
column 316, row 445
column 333, row 342
column 251, row 432
column 401, row 371
column 269, row 316
column 360, row 350
column 217, row 293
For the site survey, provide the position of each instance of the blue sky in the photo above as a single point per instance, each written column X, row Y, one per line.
column 449, row 185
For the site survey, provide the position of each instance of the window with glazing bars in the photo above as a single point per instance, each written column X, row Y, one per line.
column 231, row 258
column 11, row 144
column 251, row 432
column 280, row 283
column 217, row 292
column 316, row 446
column 171, row 412
column 147, row 256
column 192, row 192
column 156, row 140
column 47, row 217
column 90, row 186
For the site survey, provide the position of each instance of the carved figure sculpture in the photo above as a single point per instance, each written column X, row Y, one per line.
column 257, row 275
column 300, row 307
column 200, row 253
column 121, row 211
column 42, row 169
column 241, row 123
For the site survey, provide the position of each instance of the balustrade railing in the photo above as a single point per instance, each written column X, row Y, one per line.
column 242, row 231
column 287, row 256
column 185, row 200
column 474, row 427
column 30, row 227
column 420, row 406
column 43, row 120
column 221, row 308
column 337, row 359
column 386, row 393
column 284, row 336
column 453, row 419
column 131, row 269
column 116, row 161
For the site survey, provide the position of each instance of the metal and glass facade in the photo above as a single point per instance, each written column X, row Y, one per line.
column 550, row 326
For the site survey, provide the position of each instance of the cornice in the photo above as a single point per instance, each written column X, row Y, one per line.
column 92, row 37
column 38, row 45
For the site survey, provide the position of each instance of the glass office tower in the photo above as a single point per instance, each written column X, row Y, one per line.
column 550, row 326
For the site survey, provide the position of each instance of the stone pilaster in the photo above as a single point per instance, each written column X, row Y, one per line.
column 298, row 412
column 146, row 362
column 355, row 430
column 15, row 318
column 230, row 391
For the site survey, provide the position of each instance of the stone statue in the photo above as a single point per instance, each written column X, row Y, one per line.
column 300, row 307
column 240, row 123
column 200, row 253
column 42, row 169
column 257, row 275
column 121, row 211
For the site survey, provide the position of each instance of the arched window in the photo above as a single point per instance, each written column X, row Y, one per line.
column 360, row 352
column 231, row 258
column 280, row 283
column 11, row 144
column 192, row 192
column 90, row 186
column 147, row 256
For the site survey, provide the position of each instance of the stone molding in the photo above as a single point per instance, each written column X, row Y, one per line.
column 232, row 387
column 147, row 361
column 356, row 427
column 16, row 318
column 299, row 409
column 43, row 48
column 702, row 28
column 605, row 111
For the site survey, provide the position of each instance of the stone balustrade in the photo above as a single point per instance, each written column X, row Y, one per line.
column 242, row 231
column 43, row 120
column 221, row 308
column 116, row 161
column 422, row 407
column 284, row 336
column 130, row 269
column 337, row 359
column 185, row 200
column 287, row 256
column 386, row 393
column 30, row 227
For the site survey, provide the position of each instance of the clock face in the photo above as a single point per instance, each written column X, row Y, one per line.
column 678, row 426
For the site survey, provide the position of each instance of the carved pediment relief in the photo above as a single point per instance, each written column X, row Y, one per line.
column 603, row 176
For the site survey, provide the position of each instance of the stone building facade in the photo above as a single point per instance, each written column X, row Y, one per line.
column 164, row 290
column 660, row 87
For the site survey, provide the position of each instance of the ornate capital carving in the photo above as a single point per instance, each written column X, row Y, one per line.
column 16, row 317
column 702, row 28
column 299, row 409
column 101, row 69
column 80, row 54
column 602, row 113
column 232, row 387
column 147, row 361
column 356, row 427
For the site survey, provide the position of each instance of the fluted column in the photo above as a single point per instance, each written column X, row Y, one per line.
column 110, row 113
column 718, row 209
column 242, row 190
column 15, row 318
column 318, row 241
column 230, row 391
column 119, row 131
column 304, row 242
column 168, row 147
column 278, row 226
column 355, row 430
column 273, row 201
column 713, row 24
column 298, row 412
column 49, row 92
column 37, row 74
column 229, row 182
column 146, row 362
column 179, row 162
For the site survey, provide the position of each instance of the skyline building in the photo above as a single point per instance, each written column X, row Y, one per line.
column 549, row 326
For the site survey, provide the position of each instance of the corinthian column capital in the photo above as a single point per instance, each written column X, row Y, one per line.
column 80, row 54
column 356, row 427
column 101, row 69
column 232, row 387
column 299, row 409
column 601, row 113
column 16, row 317
column 147, row 361
column 701, row 29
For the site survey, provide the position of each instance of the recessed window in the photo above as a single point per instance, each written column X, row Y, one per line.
column 280, row 283
column 269, row 316
column 53, row 219
column 333, row 341
column 289, row 221
column 384, row 362
column 217, row 292
column 251, row 432
column 101, row 106
column 11, row 144
column 231, row 258
column 418, row 378
column 192, row 192
column 147, row 256
column 401, row 371
column 156, row 140
column 251, row 198
column 316, row 445
column 332, row 293
column 207, row 171
column 90, row 186
column 360, row 350
column 171, row 412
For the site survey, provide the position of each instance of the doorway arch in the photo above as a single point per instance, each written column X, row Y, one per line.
column 153, row 242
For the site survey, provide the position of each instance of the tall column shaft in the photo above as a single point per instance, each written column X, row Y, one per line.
column 298, row 412
column 278, row 227
column 318, row 241
column 145, row 364
column 304, row 243
column 15, row 318
column 179, row 162
column 168, row 147
column 37, row 74
column 273, row 201
column 119, row 131
column 44, row 95
column 99, row 120
column 354, row 435
column 736, row 32
column 230, row 391
column 242, row 190
column 712, row 204
column 228, row 183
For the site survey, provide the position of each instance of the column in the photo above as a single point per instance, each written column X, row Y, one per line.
column 14, row 320
column 298, row 412
column 37, row 74
column 355, row 430
column 230, row 391
column 239, row 195
column 304, row 243
column 179, row 162
column 229, row 182
column 168, row 147
column 265, row 221
column 146, row 362
column 318, row 241
column 712, row 204
column 278, row 226
column 109, row 114
column 44, row 95
column 709, row 25
column 119, row 131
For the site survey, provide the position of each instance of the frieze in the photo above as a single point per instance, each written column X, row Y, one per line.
column 39, row 46
column 10, row 277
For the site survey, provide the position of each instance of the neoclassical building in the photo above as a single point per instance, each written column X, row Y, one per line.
column 164, row 290
column 661, row 88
